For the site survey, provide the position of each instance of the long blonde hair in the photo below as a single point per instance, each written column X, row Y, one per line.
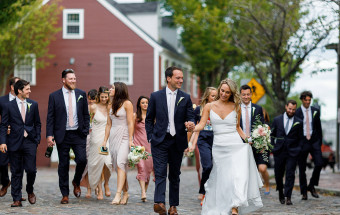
column 205, row 98
column 235, row 95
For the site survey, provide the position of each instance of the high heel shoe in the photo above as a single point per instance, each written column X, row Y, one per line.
column 234, row 211
column 202, row 199
column 143, row 198
column 107, row 190
column 125, row 198
column 116, row 202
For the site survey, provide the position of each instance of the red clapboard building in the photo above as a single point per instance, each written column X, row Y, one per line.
column 104, row 42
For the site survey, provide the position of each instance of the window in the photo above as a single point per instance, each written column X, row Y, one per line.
column 73, row 24
column 121, row 68
column 25, row 69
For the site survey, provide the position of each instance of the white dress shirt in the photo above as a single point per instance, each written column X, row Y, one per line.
column 19, row 104
column 11, row 97
column 304, row 120
column 74, row 108
column 170, row 93
column 290, row 123
column 243, row 112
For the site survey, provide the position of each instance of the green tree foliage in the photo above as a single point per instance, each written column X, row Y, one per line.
column 28, row 29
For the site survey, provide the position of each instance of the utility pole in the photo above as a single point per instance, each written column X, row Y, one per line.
column 338, row 94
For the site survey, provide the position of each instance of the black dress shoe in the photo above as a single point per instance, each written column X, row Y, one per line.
column 289, row 201
column 313, row 192
column 281, row 197
column 304, row 196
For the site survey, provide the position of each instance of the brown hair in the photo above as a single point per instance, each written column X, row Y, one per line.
column 100, row 91
column 139, row 117
column 121, row 95
column 235, row 95
column 205, row 97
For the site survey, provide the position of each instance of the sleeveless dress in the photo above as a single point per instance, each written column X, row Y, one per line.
column 97, row 161
column 144, row 167
column 119, row 140
column 234, row 180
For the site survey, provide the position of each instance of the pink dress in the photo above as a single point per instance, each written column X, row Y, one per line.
column 144, row 167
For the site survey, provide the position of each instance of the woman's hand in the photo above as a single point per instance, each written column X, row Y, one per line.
column 104, row 144
column 131, row 144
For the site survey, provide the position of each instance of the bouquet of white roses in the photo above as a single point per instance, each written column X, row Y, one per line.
column 261, row 138
column 136, row 154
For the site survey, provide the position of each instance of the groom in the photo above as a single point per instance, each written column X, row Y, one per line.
column 169, row 114
column 22, row 115
column 68, row 122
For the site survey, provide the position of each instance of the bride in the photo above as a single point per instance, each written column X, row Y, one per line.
column 234, row 182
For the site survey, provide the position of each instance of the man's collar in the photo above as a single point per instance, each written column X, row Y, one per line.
column 66, row 90
column 286, row 116
column 248, row 106
column 167, row 89
column 19, row 100
column 304, row 109
column 11, row 97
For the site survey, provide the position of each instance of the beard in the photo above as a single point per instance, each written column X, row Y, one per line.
column 69, row 86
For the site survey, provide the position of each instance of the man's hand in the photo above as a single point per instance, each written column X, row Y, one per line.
column 50, row 141
column 3, row 148
column 190, row 126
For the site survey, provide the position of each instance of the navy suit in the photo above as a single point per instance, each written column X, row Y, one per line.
column 67, row 139
column 4, row 178
column 164, row 147
column 22, row 150
column 286, row 150
column 256, row 110
column 312, row 146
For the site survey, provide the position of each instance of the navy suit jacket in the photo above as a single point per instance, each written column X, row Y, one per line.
column 316, row 137
column 11, row 116
column 292, row 142
column 156, row 121
column 57, row 115
column 3, row 100
column 255, row 110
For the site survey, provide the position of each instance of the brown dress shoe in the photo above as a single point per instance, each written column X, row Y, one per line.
column 172, row 210
column 3, row 190
column 159, row 208
column 31, row 198
column 16, row 204
column 22, row 199
column 76, row 190
column 64, row 200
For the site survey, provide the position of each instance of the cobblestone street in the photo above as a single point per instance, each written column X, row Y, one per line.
column 48, row 199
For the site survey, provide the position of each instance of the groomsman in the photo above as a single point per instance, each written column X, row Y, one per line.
column 248, row 113
column 68, row 122
column 169, row 113
column 22, row 115
column 4, row 178
column 287, row 138
column 312, row 141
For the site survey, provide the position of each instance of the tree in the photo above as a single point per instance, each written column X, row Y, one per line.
column 276, row 36
column 28, row 29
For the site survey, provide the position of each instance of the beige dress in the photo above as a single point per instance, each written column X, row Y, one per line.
column 119, row 140
column 96, row 161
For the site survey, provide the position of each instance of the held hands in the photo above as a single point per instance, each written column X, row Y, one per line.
column 3, row 148
column 50, row 141
column 190, row 126
column 191, row 148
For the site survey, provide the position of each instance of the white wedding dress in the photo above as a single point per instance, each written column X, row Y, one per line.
column 234, row 180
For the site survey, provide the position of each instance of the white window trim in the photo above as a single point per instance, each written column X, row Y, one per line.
column 112, row 66
column 81, row 24
column 33, row 74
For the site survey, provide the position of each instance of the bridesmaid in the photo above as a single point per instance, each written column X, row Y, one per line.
column 99, row 166
column 119, row 128
column 91, row 99
column 204, row 139
column 145, row 167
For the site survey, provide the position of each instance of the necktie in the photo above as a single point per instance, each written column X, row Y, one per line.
column 70, row 109
column 307, row 126
column 247, row 122
column 172, row 111
column 287, row 126
column 23, row 116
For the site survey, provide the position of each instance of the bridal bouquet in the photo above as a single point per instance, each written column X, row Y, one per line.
column 136, row 154
column 261, row 138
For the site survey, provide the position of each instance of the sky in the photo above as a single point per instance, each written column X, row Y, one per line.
column 322, row 85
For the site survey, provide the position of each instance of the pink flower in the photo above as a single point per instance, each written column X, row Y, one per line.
column 262, row 132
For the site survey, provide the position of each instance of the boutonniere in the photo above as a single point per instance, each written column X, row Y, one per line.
column 295, row 124
column 180, row 99
column 29, row 106
column 80, row 97
column 315, row 112
column 253, row 110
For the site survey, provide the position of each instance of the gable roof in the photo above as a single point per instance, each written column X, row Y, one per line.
column 128, row 8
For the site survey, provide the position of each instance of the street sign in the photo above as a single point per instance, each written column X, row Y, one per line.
column 257, row 90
